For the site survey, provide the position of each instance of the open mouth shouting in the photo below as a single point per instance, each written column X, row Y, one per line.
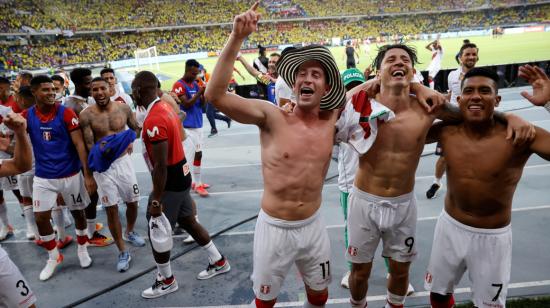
column 306, row 92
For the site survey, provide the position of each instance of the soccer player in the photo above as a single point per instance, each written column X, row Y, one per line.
column 104, row 129
column 171, row 177
column 60, row 153
column 59, row 86
column 296, row 150
column 14, row 288
column 116, row 95
column 435, row 65
column 474, row 232
column 350, row 55
column 191, row 99
column 381, row 205
column 78, row 101
column 468, row 58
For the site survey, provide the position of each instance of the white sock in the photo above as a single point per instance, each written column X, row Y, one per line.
column 358, row 304
column 59, row 221
column 197, row 174
column 437, row 181
column 54, row 253
column 4, row 214
column 213, row 254
column 432, row 85
column 395, row 300
column 29, row 219
column 164, row 269
column 90, row 223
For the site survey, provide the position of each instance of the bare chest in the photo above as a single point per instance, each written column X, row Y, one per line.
column 106, row 123
column 406, row 132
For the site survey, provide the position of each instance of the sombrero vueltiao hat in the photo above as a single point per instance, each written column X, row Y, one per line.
column 292, row 58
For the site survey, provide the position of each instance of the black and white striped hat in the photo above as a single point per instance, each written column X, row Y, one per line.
column 292, row 58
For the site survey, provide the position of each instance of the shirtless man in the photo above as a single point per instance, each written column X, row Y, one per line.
column 289, row 229
column 382, row 203
column 103, row 125
column 483, row 169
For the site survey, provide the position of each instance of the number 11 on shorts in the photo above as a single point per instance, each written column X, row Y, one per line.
column 325, row 267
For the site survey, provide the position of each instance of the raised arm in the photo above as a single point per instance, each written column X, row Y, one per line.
column 22, row 158
column 540, row 83
column 541, row 144
column 243, row 110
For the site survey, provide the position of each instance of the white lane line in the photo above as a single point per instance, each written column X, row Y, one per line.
column 328, row 227
column 517, row 285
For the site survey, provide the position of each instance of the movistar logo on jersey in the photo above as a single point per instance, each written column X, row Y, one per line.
column 74, row 121
column 152, row 133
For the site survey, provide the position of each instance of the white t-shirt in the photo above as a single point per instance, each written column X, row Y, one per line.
column 454, row 80
column 348, row 162
column 282, row 90
column 120, row 96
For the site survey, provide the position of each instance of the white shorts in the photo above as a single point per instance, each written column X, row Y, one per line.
column 371, row 218
column 71, row 188
column 486, row 253
column 278, row 244
column 25, row 185
column 9, row 183
column 14, row 289
column 433, row 69
column 119, row 182
column 194, row 141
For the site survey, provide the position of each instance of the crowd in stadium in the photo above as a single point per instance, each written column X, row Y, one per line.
column 47, row 51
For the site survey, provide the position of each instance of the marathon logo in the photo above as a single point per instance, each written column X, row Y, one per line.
column 47, row 135
column 352, row 251
column 264, row 289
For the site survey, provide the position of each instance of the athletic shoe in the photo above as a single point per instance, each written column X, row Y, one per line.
column 410, row 290
column 65, row 242
column 213, row 133
column 100, row 240
column 229, row 123
column 134, row 239
column 39, row 242
column 124, row 259
column 83, row 257
column 193, row 185
column 345, row 280
column 50, row 267
column 432, row 191
column 161, row 287
column 5, row 232
column 188, row 240
column 201, row 191
column 220, row 267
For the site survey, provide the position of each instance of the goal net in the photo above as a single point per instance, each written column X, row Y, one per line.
column 147, row 57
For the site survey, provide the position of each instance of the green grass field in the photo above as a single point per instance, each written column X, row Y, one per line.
column 512, row 48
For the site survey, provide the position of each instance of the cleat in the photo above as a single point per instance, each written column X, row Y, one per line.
column 194, row 185
column 50, row 267
column 345, row 280
column 84, row 257
column 100, row 240
column 213, row 133
column 6, row 232
column 161, row 287
column 201, row 191
column 65, row 242
column 220, row 267
column 124, row 259
column 39, row 242
column 432, row 191
column 134, row 239
column 188, row 240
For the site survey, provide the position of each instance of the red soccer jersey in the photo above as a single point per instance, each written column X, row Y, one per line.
column 12, row 103
column 162, row 124
column 69, row 117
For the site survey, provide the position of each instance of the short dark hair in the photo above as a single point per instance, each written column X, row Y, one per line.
column 411, row 51
column 25, row 75
column 146, row 79
column 58, row 78
column 191, row 63
column 78, row 74
column 25, row 92
column 39, row 79
column 99, row 79
column 106, row 70
column 466, row 41
column 481, row 72
column 466, row 46
column 275, row 54
column 4, row 80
